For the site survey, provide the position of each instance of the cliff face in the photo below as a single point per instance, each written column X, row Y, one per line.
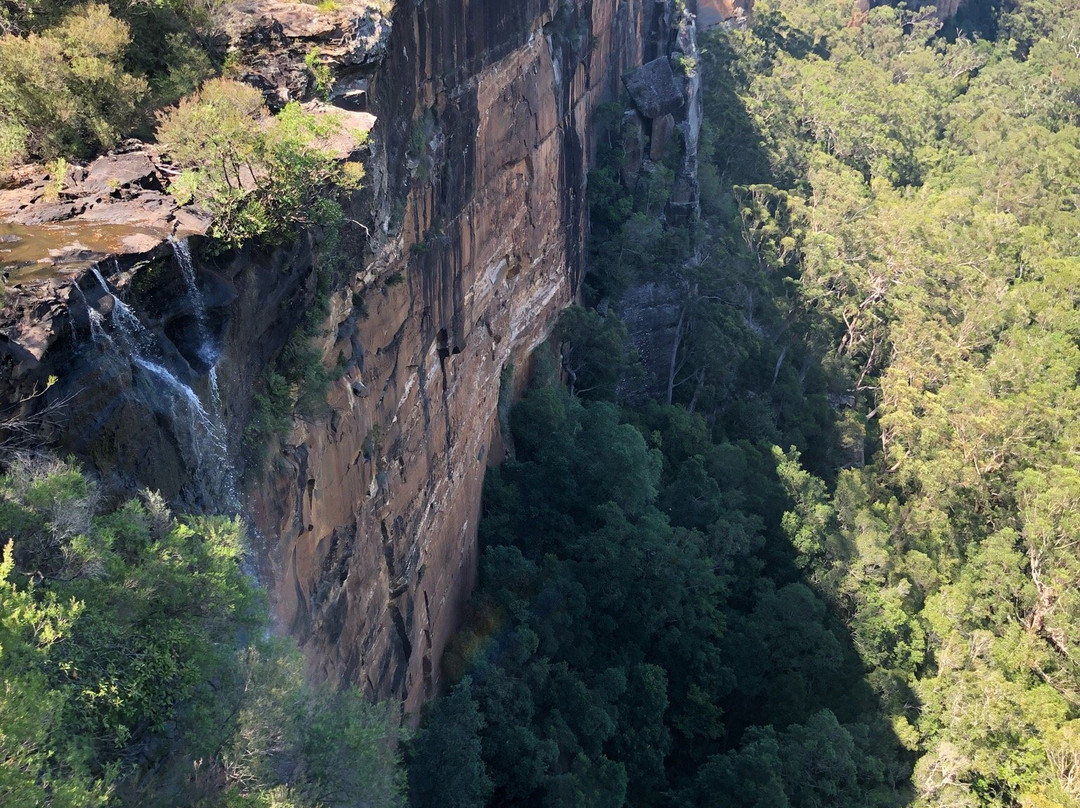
column 473, row 223
column 485, row 106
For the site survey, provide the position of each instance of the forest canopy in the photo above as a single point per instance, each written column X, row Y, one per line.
column 137, row 667
column 837, row 562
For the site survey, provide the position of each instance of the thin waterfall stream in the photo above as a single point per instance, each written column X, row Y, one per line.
column 204, row 428
column 208, row 352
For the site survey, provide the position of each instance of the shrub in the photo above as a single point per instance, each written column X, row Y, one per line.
column 258, row 177
column 137, row 656
column 186, row 67
column 320, row 72
column 65, row 91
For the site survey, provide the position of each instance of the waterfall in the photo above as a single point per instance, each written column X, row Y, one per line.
column 182, row 393
column 208, row 351
column 125, row 321
column 97, row 325
column 208, row 440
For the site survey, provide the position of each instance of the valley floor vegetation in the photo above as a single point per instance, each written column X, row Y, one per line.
column 137, row 666
column 829, row 556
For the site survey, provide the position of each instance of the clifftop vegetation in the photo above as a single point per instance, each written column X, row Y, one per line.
column 259, row 177
column 77, row 79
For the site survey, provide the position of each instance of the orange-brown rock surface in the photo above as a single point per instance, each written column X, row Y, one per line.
column 465, row 244
column 373, row 514
column 714, row 12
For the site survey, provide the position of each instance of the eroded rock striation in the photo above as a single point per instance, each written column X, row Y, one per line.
column 466, row 243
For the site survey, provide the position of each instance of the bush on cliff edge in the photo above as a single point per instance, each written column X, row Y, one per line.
column 260, row 177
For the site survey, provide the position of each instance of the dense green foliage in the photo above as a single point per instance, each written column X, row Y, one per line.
column 673, row 612
column 635, row 618
column 75, row 78
column 927, row 227
column 65, row 91
column 134, row 672
column 259, row 178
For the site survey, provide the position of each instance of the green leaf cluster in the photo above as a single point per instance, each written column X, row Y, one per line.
column 136, row 669
column 77, row 77
column 66, row 91
column 259, row 177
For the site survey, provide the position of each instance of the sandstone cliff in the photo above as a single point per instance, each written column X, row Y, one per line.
column 467, row 241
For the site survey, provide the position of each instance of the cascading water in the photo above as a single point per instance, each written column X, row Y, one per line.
column 208, row 351
column 125, row 322
column 97, row 325
column 206, row 433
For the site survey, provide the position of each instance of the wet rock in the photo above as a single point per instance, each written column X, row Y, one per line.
column 114, row 206
column 651, row 312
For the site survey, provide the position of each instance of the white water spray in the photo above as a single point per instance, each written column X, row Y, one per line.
column 207, row 351
column 125, row 321
column 207, row 433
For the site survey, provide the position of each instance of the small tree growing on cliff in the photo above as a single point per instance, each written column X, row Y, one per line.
column 258, row 176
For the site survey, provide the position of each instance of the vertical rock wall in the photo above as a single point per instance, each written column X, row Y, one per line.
column 370, row 515
column 474, row 221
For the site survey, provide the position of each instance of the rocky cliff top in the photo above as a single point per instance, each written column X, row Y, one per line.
column 118, row 204
column 56, row 223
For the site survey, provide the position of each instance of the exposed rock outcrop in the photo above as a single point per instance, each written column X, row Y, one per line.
column 276, row 44
column 943, row 9
column 653, row 90
column 466, row 243
column 715, row 12
column 116, row 205
column 378, row 551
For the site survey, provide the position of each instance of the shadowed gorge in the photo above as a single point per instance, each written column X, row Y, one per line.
column 675, row 608
column 553, row 403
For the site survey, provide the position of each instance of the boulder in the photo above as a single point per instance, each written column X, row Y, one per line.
column 653, row 89
column 109, row 173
